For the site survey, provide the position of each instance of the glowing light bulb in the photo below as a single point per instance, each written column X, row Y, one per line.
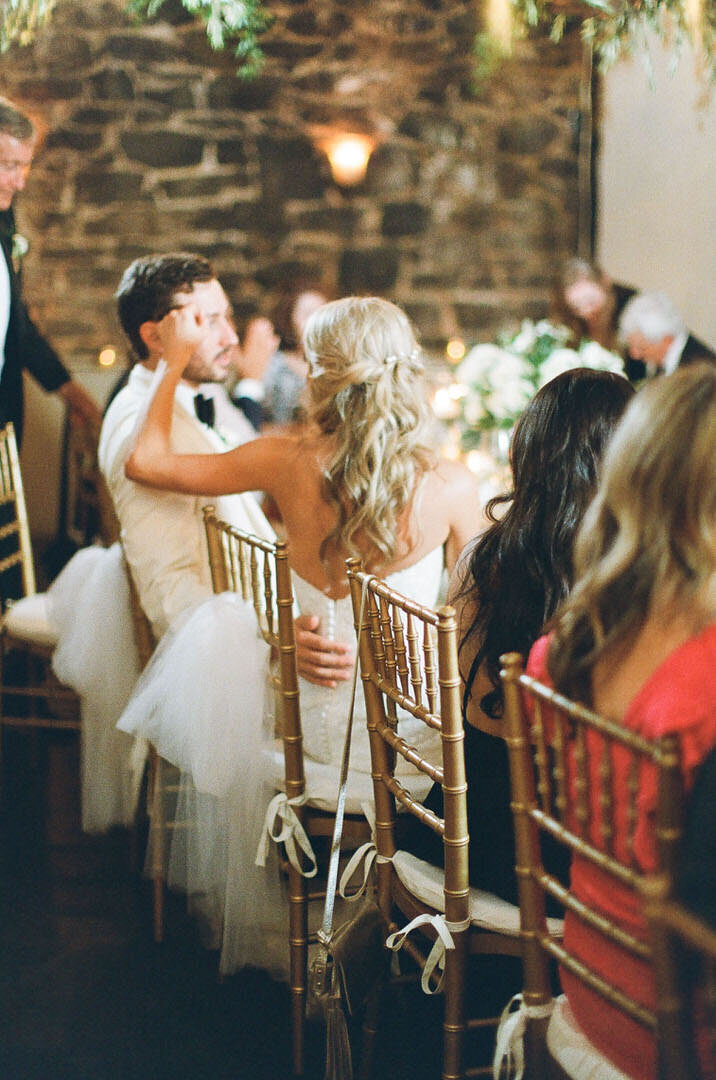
column 348, row 155
column 107, row 356
column 455, row 350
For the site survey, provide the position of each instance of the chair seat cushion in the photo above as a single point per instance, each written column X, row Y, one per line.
column 426, row 881
column 573, row 1051
column 322, row 783
column 30, row 619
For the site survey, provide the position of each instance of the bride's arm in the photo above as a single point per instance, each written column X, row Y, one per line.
column 247, row 468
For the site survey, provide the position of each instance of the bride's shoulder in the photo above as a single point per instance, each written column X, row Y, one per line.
column 454, row 478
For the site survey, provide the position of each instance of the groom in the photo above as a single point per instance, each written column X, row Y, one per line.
column 162, row 531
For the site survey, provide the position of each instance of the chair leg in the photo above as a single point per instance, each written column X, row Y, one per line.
column 369, row 1031
column 298, row 959
column 157, row 835
column 454, row 1017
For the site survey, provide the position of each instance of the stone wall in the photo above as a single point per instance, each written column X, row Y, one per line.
column 154, row 143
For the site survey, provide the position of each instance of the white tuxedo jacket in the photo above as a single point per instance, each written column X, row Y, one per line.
column 163, row 532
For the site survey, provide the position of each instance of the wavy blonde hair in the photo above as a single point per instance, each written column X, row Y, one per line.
column 367, row 393
column 648, row 541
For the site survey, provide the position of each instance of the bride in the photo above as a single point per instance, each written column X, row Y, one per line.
column 360, row 479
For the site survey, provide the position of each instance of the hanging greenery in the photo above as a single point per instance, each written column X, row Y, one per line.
column 233, row 24
column 21, row 19
column 614, row 27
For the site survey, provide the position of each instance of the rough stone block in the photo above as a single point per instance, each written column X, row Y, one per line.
column 104, row 187
column 232, row 92
column 291, row 169
column 371, row 270
column 404, row 219
column 140, row 47
column 231, row 152
column 162, row 149
column 426, row 317
column 112, row 83
column 528, row 136
column 391, row 168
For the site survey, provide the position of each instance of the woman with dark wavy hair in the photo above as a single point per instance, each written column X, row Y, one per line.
column 636, row 641
column 509, row 582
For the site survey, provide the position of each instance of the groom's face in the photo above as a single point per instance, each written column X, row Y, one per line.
column 219, row 346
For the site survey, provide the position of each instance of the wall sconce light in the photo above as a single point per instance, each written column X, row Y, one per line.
column 348, row 154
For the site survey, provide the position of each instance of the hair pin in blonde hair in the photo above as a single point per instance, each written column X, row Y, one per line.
column 401, row 358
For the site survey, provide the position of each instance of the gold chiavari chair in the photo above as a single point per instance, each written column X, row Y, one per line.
column 158, row 786
column 259, row 571
column 685, row 966
column 31, row 697
column 564, row 760
column 408, row 659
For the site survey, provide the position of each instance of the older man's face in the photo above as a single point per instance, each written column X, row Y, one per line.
column 15, row 160
column 651, row 352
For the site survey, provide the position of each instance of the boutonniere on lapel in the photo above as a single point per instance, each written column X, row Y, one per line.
column 20, row 248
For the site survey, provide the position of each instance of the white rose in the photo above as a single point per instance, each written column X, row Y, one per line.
column 478, row 363
column 473, row 409
column 509, row 398
column 553, row 330
column 557, row 362
column 592, row 355
column 526, row 337
column 511, row 368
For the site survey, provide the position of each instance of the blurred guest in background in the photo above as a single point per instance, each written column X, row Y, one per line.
column 589, row 303
column 654, row 332
column 22, row 346
column 285, row 381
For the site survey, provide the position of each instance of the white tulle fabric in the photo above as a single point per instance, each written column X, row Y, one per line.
column 96, row 655
column 205, row 701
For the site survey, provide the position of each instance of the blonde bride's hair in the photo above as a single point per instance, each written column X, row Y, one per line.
column 647, row 546
column 367, row 393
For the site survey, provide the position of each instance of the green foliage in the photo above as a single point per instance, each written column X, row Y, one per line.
column 229, row 23
column 21, row 19
column 617, row 27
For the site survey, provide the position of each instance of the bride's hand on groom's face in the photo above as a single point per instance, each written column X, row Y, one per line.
column 320, row 660
column 180, row 332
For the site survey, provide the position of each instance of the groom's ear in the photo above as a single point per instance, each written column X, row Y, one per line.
column 149, row 333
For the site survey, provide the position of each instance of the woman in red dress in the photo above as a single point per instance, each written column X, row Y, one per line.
column 636, row 641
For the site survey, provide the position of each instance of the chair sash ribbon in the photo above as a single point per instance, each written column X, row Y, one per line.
column 365, row 854
column 436, row 956
column 509, row 1044
column 280, row 812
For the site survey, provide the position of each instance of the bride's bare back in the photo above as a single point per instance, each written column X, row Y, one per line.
column 363, row 477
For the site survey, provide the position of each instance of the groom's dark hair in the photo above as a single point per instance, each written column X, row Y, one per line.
column 149, row 286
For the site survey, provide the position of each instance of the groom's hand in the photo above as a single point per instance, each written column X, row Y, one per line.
column 320, row 660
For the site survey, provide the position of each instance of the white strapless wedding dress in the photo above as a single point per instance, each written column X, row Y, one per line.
column 324, row 713
column 205, row 702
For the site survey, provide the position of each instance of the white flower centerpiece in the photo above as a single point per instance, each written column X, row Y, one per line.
column 494, row 382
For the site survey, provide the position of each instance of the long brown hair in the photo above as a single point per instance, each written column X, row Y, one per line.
column 648, row 541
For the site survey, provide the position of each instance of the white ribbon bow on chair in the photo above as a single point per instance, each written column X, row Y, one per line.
column 365, row 854
column 436, row 956
column 291, row 833
column 509, row 1044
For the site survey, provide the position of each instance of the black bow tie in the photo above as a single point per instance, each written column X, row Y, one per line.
column 205, row 410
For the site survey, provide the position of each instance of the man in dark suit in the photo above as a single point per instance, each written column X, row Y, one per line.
column 654, row 332
column 22, row 346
